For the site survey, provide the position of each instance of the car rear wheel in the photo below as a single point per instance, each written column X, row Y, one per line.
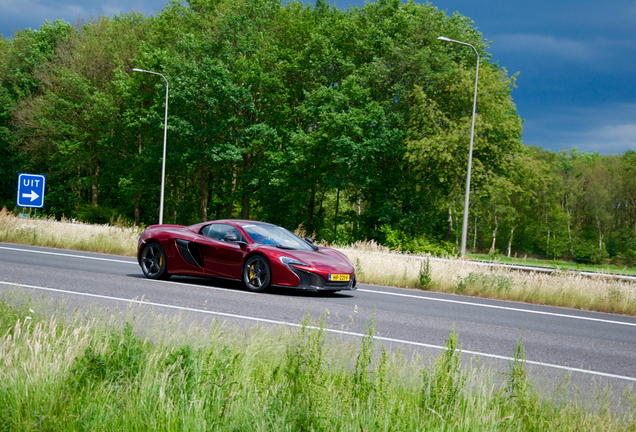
column 153, row 261
column 257, row 274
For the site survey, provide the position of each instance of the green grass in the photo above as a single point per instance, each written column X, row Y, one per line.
column 554, row 264
column 91, row 374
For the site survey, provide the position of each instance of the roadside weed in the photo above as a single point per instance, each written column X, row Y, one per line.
column 96, row 374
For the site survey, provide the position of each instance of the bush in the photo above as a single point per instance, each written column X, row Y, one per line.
column 630, row 257
column 441, row 390
column 587, row 251
column 397, row 240
column 96, row 215
column 424, row 277
column 483, row 282
column 123, row 360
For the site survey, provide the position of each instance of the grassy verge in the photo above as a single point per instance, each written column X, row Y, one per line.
column 378, row 265
column 69, row 235
column 89, row 374
column 555, row 264
column 375, row 264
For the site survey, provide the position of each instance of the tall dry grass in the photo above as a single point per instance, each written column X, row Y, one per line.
column 376, row 264
column 68, row 234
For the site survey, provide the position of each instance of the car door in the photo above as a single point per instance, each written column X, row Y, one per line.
column 220, row 257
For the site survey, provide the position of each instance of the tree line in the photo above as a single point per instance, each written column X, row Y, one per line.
column 352, row 124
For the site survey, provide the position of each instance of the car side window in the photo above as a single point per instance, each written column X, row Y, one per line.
column 219, row 231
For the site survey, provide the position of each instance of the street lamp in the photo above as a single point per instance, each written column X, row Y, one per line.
column 165, row 136
column 470, row 150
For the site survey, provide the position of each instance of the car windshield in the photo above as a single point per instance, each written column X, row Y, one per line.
column 267, row 234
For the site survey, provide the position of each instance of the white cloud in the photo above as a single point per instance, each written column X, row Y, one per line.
column 608, row 129
column 614, row 138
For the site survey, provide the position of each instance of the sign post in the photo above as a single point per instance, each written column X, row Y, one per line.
column 31, row 190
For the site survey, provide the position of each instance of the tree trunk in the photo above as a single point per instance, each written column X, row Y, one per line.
column 230, row 205
column 353, row 209
column 570, row 235
column 312, row 204
column 245, row 204
column 449, row 233
column 457, row 225
column 138, row 196
column 359, row 214
column 494, row 235
column 600, row 235
column 322, row 200
column 335, row 219
column 94, row 187
column 547, row 246
column 512, row 231
column 137, row 199
column 475, row 237
column 245, row 207
column 203, row 191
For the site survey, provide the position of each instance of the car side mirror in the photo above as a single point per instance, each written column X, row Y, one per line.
column 232, row 238
column 308, row 240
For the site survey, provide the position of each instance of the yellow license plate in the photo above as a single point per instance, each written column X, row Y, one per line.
column 339, row 277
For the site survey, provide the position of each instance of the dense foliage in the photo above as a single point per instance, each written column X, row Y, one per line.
column 354, row 124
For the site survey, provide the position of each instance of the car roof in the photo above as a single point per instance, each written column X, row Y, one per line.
column 230, row 221
column 239, row 221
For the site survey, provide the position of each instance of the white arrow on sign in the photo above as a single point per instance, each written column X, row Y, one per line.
column 31, row 195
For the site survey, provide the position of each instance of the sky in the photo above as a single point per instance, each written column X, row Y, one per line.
column 576, row 59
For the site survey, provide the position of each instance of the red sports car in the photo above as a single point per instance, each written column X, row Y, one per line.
column 258, row 253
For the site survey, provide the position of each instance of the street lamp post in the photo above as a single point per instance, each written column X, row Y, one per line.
column 165, row 136
column 470, row 150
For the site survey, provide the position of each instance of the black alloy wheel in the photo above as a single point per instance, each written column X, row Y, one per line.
column 257, row 274
column 153, row 261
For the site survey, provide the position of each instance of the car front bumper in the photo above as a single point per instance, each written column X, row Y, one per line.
column 314, row 282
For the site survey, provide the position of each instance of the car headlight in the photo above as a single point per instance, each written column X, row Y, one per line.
column 289, row 261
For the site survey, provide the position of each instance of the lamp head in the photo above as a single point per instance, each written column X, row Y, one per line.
column 442, row 38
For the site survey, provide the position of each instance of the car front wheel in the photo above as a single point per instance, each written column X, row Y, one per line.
column 257, row 274
column 153, row 261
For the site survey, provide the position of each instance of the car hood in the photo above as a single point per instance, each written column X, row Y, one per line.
column 323, row 259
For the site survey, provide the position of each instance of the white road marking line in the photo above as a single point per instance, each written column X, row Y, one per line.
column 269, row 321
column 69, row 255
column 375, row 292
column 499, row 307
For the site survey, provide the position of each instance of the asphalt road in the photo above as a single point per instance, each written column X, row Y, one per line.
column 595, row 348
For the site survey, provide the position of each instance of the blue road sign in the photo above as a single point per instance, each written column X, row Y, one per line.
column 31, row 190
